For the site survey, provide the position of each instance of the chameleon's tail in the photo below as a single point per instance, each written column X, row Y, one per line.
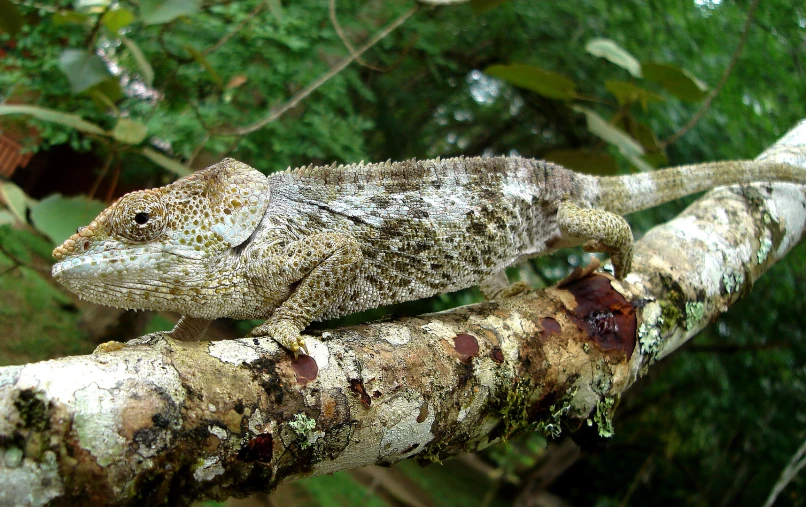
column 634, row 192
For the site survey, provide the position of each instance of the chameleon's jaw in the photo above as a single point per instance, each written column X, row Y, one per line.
column 148, row 277
column 116, row 277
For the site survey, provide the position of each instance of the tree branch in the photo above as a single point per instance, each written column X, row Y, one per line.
column 177, row 421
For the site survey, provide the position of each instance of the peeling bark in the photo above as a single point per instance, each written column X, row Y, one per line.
column 174, row 421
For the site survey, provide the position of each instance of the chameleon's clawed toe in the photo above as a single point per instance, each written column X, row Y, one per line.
column 283, row 332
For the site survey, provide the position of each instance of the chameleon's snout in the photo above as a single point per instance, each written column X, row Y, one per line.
column 77, row 243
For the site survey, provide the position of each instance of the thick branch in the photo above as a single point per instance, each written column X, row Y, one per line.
column 179, row 421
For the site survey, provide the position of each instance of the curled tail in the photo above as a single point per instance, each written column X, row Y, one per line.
column 634, row 192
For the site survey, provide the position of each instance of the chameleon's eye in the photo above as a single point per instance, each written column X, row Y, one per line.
column 139, row 216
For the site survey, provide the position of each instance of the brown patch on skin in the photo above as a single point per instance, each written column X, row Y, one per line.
column 497, row 355
column 305, row 369
column 258, row 449
column 601, row 312
column 357, row 386
column 467, row 346
column 549, row 327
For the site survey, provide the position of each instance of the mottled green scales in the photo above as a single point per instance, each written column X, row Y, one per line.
column 320, row 242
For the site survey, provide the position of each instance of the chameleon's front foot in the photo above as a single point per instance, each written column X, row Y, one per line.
column 284, row 332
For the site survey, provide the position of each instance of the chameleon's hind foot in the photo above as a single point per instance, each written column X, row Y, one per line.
column 283, row 332
column 600, row 231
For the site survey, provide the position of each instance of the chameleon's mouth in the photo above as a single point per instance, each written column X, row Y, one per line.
column 119, row 263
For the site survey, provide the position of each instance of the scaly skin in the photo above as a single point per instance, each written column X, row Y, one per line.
column 320, row 242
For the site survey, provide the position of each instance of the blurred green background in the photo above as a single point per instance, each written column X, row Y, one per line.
column 99, row 97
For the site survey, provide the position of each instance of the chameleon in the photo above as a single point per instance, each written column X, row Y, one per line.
column 318, row 242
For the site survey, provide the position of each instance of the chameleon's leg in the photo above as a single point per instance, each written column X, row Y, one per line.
column 603, row 230
column 320, row 266
column 497, row 286
column 189, row 329
column 494, row 285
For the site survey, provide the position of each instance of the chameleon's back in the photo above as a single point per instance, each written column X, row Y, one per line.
column 424, row 227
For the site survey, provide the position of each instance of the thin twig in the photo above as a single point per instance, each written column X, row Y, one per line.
column 90, row 39
column 114, row 183
column 97, row 183
column 199, row 147
column 18, row 263
column 223, row 40
column 792, row 468
column 302, row 94
column 706, row 104
column 335, row 21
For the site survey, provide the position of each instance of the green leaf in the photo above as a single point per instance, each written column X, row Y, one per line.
column 6, row 217
column 109, row 88
column 609, row 50
column 58, row 216
column 146, row 71
column 629, row 147
column 541, row 81
column 114, row 20
column 129, row 131
column 10, row 18
column 82, row 69
column 166, row 162
column 155, row 12
column 15, row 199
column 583, row 160
column 201, row 60
column 627, row 93
column 642, row 133
column 62, row 18
column 678, row 82
column 68, row 120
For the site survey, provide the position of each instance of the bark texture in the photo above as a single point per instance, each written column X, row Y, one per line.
column 174, row 421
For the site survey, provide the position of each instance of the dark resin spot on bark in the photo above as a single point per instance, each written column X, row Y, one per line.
column 604, row 314
column 423, row 413
column 357, row 386
column 466, row 346
column 257, row 449
column 550, row 328
column 305, row 369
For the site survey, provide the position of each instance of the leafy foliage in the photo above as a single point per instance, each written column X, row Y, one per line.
column 600, row 86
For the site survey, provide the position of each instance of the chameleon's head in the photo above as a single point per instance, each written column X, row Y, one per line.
column 153, row 242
